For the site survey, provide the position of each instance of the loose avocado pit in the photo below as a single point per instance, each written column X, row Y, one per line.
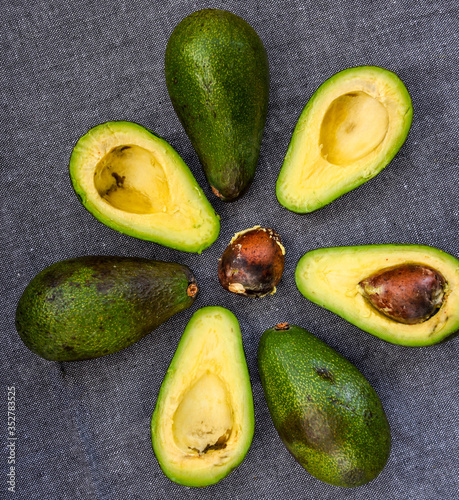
column 253, row 262
column 135, row 182
column 131, row 179
column 408, row 293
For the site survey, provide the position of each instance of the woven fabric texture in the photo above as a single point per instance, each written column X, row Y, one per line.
column 83, row 428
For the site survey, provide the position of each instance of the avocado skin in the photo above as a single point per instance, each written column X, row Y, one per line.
column 217, row 76
column 325, row 411
column 87, row 307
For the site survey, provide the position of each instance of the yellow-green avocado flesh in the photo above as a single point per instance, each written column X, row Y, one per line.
column 203, row 422
column 135, row 182
column 350, row 129
column 330, row 277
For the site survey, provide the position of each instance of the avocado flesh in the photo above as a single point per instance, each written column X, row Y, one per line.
column 330, row 277
column 203, row 422
column 217, row 77
column 350, row 129
column 90, row 306
column 136, row 183
column 325, row 411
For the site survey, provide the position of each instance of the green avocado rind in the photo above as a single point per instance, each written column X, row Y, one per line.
column 447, row 264
column 324, row 410
column 96, row 209
column 87, row 307
column 217, row 473
column 217, row 76
column 335, row 191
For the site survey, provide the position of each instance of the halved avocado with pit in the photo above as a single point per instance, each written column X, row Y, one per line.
column 340, row 279
column 135, row 182
column 350, row 129
column 203, row 422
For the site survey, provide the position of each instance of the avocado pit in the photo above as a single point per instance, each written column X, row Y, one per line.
column 409, row 293
column 253, row 262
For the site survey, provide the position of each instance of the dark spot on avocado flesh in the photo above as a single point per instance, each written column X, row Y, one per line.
column 119, row 179
column 124, row 148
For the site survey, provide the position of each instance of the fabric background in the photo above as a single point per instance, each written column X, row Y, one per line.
column 84, row 428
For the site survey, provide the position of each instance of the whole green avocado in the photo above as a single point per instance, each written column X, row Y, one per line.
column 325, row 411
column 217, row 76
column 87, row 307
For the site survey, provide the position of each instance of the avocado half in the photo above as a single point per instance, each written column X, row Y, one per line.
column 350, row 129
column 203, row 422
column 330, row 277
column 135, row 182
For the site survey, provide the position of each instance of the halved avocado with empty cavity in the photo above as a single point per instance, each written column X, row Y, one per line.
column 405, row 294
column 203, row 423
column 350, row 129
column 135, row 182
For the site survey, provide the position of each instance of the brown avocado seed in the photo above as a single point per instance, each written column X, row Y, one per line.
column 408, row 293
column 253, row 263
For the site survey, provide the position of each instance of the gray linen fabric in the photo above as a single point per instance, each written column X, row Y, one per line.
column 83, row 428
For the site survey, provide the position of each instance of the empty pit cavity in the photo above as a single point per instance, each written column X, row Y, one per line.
column 203, row 420
column 131, row 179
column 353, row 126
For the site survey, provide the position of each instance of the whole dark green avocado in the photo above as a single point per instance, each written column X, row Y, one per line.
column 87, row 307
column 218, row 80
column 325, row 411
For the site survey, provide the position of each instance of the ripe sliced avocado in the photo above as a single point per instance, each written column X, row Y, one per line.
column 325, row 411
column 331, row 277
column 88, row 307
column 135, row 182
column 218, row 81
column 350, row 129
column 203, row 423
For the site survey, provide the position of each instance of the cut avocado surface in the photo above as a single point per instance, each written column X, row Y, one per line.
column 330, row 277
column 203, row 422
column 135, row 182
column 350, row 129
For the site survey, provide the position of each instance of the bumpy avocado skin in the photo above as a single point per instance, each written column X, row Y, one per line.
column 325, row 411
column 218, row 80
column 87, row 307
